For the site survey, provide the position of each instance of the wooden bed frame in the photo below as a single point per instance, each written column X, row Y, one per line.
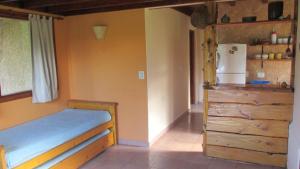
column 79, row 158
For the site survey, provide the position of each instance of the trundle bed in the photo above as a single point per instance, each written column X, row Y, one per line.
column 64, row 140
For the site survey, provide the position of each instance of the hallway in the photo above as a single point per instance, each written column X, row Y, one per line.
column 180, row 148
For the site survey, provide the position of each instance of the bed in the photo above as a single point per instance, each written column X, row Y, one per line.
column 63, row 140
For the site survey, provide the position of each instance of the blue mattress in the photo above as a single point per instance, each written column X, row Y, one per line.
column 74, row 150
column 29, row 140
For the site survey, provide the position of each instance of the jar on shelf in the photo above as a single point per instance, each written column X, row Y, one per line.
column 271, row 56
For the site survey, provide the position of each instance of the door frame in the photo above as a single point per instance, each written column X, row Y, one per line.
column 192, row 67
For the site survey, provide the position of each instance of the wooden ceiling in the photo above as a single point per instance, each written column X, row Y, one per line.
column 188, row 10
column 77, row 7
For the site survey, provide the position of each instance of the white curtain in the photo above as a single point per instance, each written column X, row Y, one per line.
column 44, row 87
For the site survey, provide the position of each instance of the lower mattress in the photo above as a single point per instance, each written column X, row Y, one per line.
column 74, row 150
column 29, row 140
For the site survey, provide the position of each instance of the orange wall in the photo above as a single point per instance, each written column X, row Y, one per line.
column 20, row 111
column 90, row 69
column 106, row 70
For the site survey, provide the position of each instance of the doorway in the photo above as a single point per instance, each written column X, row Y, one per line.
column 192, row 68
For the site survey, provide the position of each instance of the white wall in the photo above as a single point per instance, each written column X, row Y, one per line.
column 167, row 42
column 199, row 53
column 294, row 137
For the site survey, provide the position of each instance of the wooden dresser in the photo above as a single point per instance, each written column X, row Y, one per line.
column 248, row 124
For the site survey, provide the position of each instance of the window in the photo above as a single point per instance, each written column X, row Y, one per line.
column 15, row 58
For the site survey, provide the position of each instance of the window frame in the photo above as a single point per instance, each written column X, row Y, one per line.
column 23, row 94
column 15, row 96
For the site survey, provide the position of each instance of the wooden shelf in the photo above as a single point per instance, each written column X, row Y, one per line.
column 270, row 45
column 274, row 60
column 253, row 23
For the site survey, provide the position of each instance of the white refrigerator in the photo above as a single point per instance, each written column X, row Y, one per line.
column 231, row 63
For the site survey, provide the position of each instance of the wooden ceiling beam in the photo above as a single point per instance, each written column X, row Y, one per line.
column 8, row 1
column 10, row 9
column 265, row 1
column 112, row 5
column 32, row 4
column 76, row 7
column 13, row 3
column 232, row 3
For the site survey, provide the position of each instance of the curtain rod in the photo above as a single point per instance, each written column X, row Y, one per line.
column 28, row 11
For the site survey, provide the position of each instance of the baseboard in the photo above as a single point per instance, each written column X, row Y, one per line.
column 164, row 131
column 133, row 143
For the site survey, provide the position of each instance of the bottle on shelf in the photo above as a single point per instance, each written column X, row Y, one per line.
column 274, row 37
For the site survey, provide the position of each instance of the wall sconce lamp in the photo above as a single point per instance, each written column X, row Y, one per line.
column 100, row 31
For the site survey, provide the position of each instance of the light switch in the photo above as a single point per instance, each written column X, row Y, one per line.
column 141, row 75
